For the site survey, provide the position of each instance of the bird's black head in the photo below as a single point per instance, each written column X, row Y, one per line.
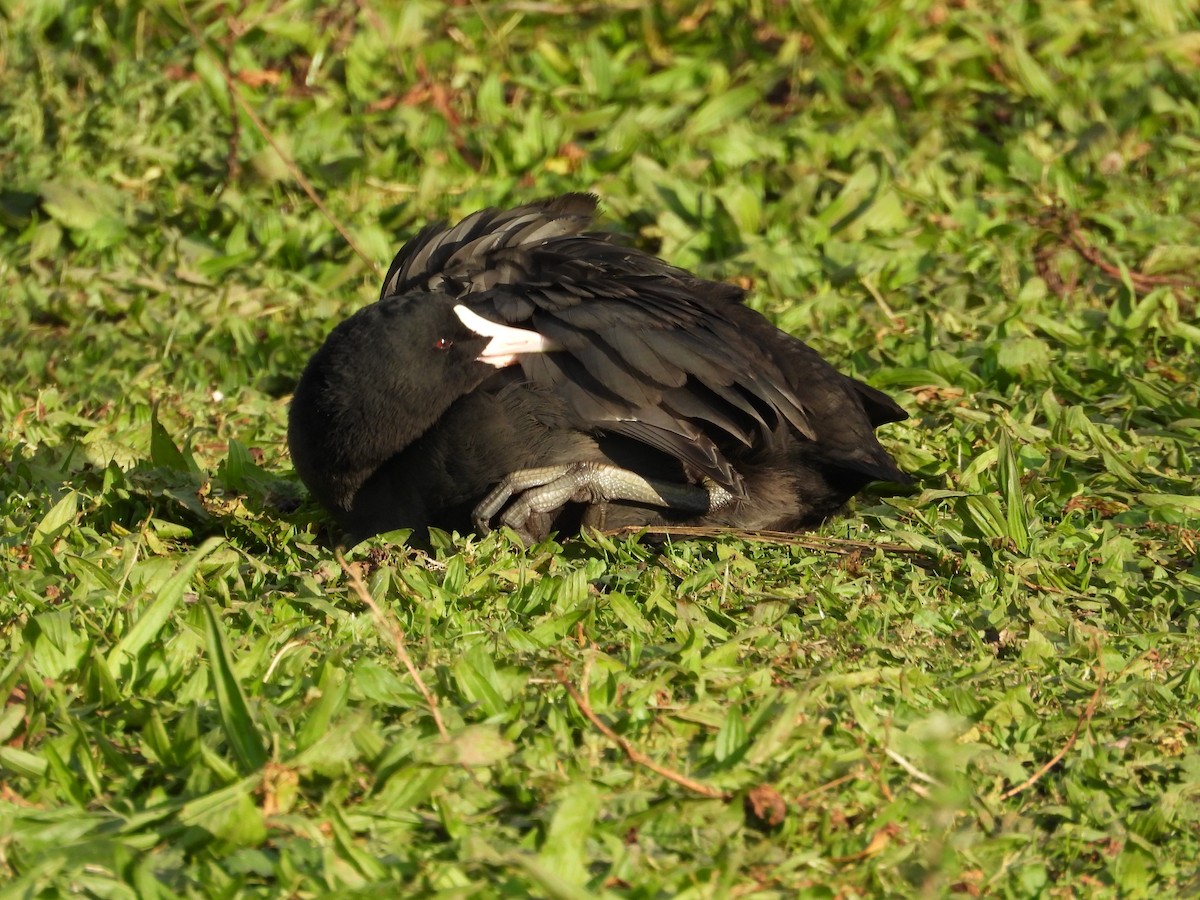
column 382, row 378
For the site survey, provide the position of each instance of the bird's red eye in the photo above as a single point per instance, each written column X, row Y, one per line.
column 443, row 344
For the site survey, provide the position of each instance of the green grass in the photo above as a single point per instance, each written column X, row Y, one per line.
column 990, row 210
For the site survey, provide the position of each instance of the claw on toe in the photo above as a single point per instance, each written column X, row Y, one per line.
column 527, row 500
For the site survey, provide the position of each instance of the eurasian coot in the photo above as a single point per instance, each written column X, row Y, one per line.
column 519, row 368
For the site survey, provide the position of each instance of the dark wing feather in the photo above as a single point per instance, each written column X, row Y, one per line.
column 685, row 379
column 880, row 408
column 603, row 363
column 647, row 350
column 437, row 254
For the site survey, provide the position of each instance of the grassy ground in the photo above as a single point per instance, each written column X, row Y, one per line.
column 989, row 209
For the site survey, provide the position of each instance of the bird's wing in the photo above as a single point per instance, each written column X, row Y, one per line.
column 642, row 348
column 465, row 254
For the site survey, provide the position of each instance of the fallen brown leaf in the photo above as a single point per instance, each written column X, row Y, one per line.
column 765, row 808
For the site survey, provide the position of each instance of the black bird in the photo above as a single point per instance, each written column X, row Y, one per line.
column 520, row 366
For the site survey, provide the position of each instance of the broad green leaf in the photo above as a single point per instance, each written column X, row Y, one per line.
column 548, row 881
column 628, row 612
column 1016, row 513
column 164, row 452
column 240, row 729
column 61, row 515
column 72, row 203
column 564, row 850
column 774, row 738
column 1023, row 354
column 348, row 849
column 228, row 813
column 474, row 745
column 334, row 687
column 984, row 512
column 720, row 109
column 1186, row 503
column 123, row 657
column 856, row 195
column 10, row 719
column 476, row 677
column 731, row 738
column 22, row 762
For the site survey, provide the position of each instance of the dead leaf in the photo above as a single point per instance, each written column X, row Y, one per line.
column 765, row 808
column 258, row 77
column 1106, row 508
column 879, row 841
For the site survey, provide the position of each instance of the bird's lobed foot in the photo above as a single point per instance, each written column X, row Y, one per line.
column 530, row 497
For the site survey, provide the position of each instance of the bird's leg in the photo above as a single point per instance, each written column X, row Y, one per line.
column 544, row 490
column 595, row 516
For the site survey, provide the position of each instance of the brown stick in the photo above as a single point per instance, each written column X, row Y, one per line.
column 398, row 640
column 1068, row 225
column 1142, row 283
column 879, row 841
column 634, row 755
column 860, row 738
column 844, row 546
column 233, row 166
column 1057, row 758
column 851, row 776
column 291, row 166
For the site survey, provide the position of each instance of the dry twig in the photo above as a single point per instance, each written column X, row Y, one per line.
column 398, row 640
column 233, row 165
column 1067, row 222
column 812, row 792
column 860, row 738
column 819, row 543
column 1142, row 282
column 634, row 755
column 1057, row 758
column 878, row 843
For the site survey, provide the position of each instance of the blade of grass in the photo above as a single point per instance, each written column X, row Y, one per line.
column 156, row 614
column 240, row 729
